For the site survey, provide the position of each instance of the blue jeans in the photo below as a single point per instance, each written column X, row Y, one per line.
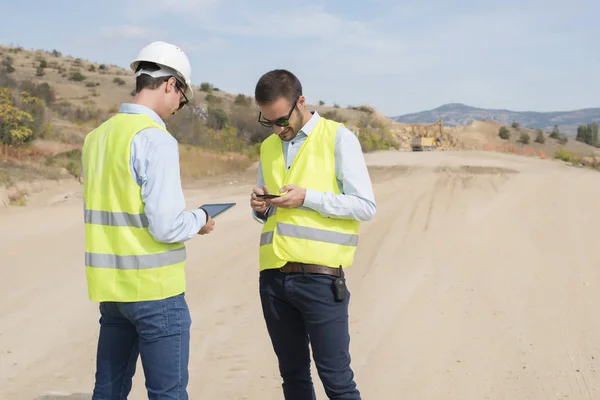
column 159, row 332
column 300, row 308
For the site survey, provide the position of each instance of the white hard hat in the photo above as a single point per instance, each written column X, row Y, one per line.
column 171, row 60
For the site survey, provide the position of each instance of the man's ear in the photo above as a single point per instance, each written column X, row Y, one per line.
column 170, row 85
column 301, row 102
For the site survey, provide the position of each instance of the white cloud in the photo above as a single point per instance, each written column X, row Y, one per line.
column 309, row 22
column 118, row 35
column 140, row 10
column 129, row 33
column 399, row 57
column 201, row 45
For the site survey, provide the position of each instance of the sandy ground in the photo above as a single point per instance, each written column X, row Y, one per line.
column 476, row 280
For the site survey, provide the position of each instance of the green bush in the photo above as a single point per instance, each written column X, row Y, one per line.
column 564, row 155
column 540, row 138
column 217, row 118
column 77, row 76
column 206, row 87
column 70, row 160
column 241, row 100
column 374, row 135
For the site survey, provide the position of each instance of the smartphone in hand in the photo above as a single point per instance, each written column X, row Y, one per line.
column 267, row 196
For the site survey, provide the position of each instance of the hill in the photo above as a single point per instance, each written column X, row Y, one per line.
column 81, row 93
column 457, row 114
column 49, row 102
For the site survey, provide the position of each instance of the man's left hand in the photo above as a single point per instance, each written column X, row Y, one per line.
column 293, row 198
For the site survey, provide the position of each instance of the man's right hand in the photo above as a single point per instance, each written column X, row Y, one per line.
column 208, row 227
column 257, row 204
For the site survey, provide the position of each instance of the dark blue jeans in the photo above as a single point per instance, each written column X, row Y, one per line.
column 159, row 332
column 300, row 308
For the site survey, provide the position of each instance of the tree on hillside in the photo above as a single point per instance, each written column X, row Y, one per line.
column 217, row 118
column 516, row 125
column 588, row 134
column 242, row 100
column 540, row 138
column 555, row 134
column 524, row 138
column 22, row 117
column 504, row 133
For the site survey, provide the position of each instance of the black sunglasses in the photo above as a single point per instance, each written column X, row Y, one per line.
column 181, row 88
column 283, row 121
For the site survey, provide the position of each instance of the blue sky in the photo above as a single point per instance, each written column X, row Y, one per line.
column 398, row 56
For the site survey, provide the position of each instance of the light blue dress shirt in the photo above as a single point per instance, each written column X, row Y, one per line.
column 154, row 165
column 356, row 200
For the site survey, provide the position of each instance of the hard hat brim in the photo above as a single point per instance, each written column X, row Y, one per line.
column 164, row 71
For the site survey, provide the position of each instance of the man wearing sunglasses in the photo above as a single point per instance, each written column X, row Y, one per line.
column 136, row 225
column 309, row 237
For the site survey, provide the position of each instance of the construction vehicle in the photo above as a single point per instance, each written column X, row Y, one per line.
column 423, row 144
column 429, row 137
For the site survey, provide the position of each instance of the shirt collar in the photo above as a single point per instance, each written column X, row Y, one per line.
column 311, row 123
column 130, row 108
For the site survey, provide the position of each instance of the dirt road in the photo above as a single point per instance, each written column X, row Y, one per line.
column 477, row 279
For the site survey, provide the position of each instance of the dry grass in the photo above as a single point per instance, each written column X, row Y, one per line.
column 513, row 149
column 12, row 172
column 561, row 153
column 17, row 197
column 196, row 163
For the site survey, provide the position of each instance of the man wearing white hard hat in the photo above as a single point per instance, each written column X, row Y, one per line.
column 136, row 225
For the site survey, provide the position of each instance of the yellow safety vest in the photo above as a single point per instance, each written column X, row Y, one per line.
column 123, row 261
column 301, row 234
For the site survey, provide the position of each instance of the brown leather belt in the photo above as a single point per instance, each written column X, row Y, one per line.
column 309, row 268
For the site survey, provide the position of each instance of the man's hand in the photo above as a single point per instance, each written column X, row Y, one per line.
column 293, row 198
column 208, row 227
column 257, row 204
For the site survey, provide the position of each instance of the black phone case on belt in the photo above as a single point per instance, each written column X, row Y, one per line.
column 339, row 289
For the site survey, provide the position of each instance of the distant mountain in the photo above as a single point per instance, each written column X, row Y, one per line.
column 460, row 114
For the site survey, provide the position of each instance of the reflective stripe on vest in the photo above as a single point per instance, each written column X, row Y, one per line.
column 135, row 262
column 123, row 261
column 301, row 234
column 115, row 218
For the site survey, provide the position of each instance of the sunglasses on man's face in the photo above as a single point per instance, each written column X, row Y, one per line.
column 282, row 122
column 181, row 88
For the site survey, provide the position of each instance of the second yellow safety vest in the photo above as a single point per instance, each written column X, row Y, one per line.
column 301, row 234
column 123, row 261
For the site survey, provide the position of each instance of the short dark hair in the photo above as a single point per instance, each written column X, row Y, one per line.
column 276, row 84
column 145, row 81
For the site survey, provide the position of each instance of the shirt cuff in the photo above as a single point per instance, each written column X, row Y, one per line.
column 262, row 219
column 200, row 217
column 313, row 199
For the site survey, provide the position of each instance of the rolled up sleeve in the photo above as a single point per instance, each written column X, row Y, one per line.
column 156, row 163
